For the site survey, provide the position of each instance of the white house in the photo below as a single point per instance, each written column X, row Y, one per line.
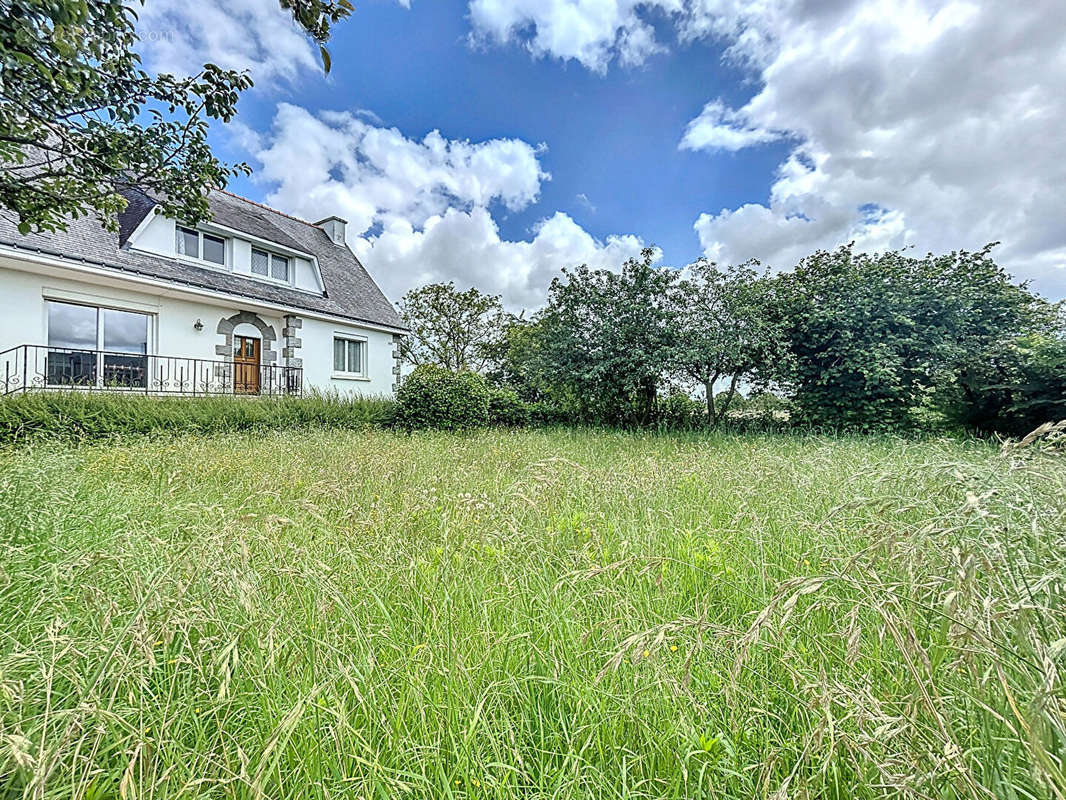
column 252, row 302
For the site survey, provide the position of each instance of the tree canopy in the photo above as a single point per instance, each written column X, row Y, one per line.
column 605, row 338
column 871, row 336
column 846, row 340
column 452, row 329
column 725, row 329
column 80, row 117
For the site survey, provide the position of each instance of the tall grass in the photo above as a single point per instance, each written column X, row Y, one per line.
column 77, row 416
column 330, row 614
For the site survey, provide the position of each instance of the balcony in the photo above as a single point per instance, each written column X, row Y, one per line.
column 31, row 367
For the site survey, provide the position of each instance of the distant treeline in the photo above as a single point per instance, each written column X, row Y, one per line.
column 845, row 340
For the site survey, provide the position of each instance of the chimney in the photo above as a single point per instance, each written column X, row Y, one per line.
column 334, row 228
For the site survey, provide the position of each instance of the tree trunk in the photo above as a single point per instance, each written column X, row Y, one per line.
column 649, row 393
column 728, row 399
column 708, row 387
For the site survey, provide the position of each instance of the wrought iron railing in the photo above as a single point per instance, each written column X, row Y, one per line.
column 31, row 367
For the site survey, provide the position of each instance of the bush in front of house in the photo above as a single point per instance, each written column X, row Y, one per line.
column 435, row 397
column 79, row 416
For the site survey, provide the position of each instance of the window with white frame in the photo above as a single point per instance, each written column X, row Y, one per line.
column 94, row 346
column 193, row 243
column 349, row 357
column 270, row 265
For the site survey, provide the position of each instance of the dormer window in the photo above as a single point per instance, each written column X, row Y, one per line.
column 270, row 265
column 192, row 243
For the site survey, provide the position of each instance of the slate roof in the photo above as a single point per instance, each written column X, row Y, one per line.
column 350, row 291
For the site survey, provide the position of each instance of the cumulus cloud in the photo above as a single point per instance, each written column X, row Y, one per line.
column 465, row 246
column 341, row 163
column 721, row 128
column 591, row 32
column 935, row 123
column 420, row 210
column 236, row 34
column 940, row 124
column 261, row 37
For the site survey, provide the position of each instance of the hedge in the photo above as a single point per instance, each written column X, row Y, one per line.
column 91, row 415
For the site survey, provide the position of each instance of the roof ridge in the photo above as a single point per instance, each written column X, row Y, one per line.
column 267, row 208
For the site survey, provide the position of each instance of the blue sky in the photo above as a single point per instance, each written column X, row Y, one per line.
column 610, row 141
column 691, row 125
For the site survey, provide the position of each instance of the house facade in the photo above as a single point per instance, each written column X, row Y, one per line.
column 254, row 302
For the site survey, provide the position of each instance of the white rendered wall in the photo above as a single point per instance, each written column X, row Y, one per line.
column 23, row 320
column 157, row 235
column 317, row 355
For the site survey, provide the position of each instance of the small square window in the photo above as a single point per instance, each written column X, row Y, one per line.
column 260, row 262
column 279, row 268
column 214, row 249
column 187, row 242
column 349, row 356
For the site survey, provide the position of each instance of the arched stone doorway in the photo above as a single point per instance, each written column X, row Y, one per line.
column 242, row 373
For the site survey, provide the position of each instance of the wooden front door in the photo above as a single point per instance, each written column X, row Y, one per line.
column 245, row 365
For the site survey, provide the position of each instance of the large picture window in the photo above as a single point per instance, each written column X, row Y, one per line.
column 349, row 357
column 91, row 346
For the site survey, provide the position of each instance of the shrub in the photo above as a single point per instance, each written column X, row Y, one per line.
column 435, row 397
column 506, row 409
column 544, row 413
column 737, row 402
column 1018, row 387
column 92, row 415
column 679, row 411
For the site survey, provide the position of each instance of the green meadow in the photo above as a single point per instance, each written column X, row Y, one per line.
column 531, row 614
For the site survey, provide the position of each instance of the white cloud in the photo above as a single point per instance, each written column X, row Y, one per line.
column 180, row 37
column 947, row 116
column 591, row 32
column 718, row 127
column 582, row 200
column 418, row 210
column 237, row 34
column 937, row 124
column 465, row 246
column 339, row 163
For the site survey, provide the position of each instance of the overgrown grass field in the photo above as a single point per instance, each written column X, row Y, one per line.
column 344, row 614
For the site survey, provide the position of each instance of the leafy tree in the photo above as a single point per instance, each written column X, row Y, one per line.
column 1018, row 383
column 726, row 329
column 604, row 339
column 79, row 117
column 871, row 336
column 514, row 359
column 455, row 330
